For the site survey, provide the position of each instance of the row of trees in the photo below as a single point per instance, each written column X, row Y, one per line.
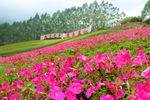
column 146, row 12
column 100, row 16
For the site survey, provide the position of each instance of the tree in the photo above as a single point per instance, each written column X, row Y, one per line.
column 146, row 11
column 100, row 16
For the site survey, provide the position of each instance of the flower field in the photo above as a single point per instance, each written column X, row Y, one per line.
column 113, row 66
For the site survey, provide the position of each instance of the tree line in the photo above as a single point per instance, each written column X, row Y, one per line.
column 100, row 16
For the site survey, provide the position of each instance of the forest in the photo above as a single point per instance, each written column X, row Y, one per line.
column 99, row 16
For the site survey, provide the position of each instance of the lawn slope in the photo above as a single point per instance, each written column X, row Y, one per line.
column 113, row 66
column 17, row 48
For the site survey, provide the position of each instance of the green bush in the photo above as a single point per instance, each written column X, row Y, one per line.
column 132, row 19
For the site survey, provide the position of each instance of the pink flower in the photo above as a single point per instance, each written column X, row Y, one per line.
column 0, row 92
column 52, row 60
column 142, row 95
column 146, row 86
column 76, row 88
column 139, row 48
column 140, row 59
column 52, row 80
column 98, row 85
column 69, row 60
column 36, row 80
column 135, row 74
column 5, row 86
column 27, row 72
column 119, row 94
column 122, row 58
column 60, row 59
column 90, row 91
column 107, row 97
column 14, row 97
column 88, row 68
column 70, row 95
column 73, row 73
column 149, row 62
column 83, row 57
column 19, row 73
column 62, row 75
column 56, row 93
column 9, row 92
column 146, row 73
column 10, row 70
column 4, row 98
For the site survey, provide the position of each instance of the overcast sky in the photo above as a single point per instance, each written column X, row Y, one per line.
column 23, row 9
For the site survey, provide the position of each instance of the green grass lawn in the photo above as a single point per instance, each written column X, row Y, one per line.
column 15, row 48
column 21, row 47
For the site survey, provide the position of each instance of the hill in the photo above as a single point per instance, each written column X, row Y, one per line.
column 21, row 47
column 113, row 66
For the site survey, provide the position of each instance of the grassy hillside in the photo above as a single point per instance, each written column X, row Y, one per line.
column 16, row 48
column 112, row 66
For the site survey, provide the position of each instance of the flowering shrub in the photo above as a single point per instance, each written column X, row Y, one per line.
column 77, row 70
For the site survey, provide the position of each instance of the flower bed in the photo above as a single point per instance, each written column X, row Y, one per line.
column 79, row 70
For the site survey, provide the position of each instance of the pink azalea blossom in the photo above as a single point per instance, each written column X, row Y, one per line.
column 10, row 70
column 62, row 76
column 146, row 73
column 70, row 95
column 27, row 72
column 119, row 94
column 5, row 86
column 146, row 86
column 0, row 92
column 14, row 97
column 56, row 93
column 90, row 91
column 60, row 59
column 9, row 92
column 72, row 73
column 76, row 88
column 139, row 48
column 98, row 85
column 83, row 57
column 122, row 58
column 69, row 59
column 4, row 98
column 36, row 81
column 149, row 62
column 88, row 68
column 142, row 95
column 107, row 97
column 52, row 60
column 140, row 59
column 52, row 80
column 19, row 73
column 135, row 74
column 81, row 98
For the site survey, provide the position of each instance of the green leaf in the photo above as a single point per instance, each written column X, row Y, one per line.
column 20, row 86
column 32, row 89
column 24, row 88
column 30, row 83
